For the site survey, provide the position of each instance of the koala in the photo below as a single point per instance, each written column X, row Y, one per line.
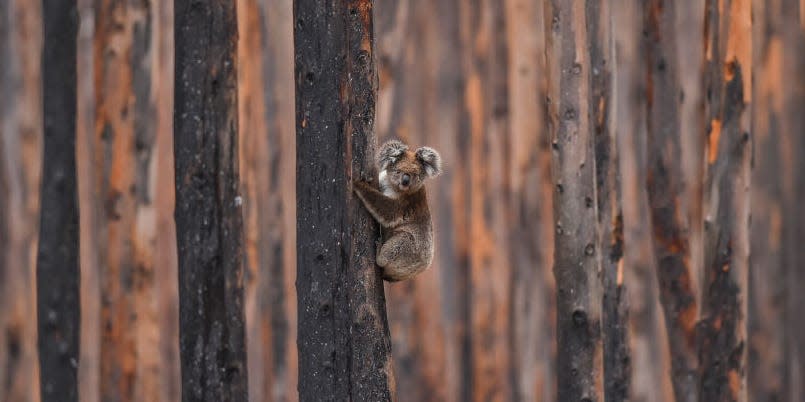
column 401, row 207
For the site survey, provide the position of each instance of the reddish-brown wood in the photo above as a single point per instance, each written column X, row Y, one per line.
column 20, row 173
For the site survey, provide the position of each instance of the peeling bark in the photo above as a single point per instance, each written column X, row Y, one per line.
column 57, row 270
column 728, row 74
column 208, row 202
column 343, row 335
column 579, row 292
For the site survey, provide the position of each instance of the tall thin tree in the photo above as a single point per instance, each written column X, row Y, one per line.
column 579, row 290
column 208, row 204
column 728, row 84
column 343, row 335
column 665, row 186
column 57, row 272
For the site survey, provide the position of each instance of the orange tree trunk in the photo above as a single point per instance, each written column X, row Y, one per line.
column 665, row 187
column 579, row 293
column 123, row 148
column 343, row 336
column 728, row 85
column 208, row 204
column 58, row 309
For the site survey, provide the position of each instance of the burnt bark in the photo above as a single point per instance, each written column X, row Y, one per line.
column 665, row 187
column 579, row 291
column 20, row 167
column 343, row 335
column 124, row 152
column 728, row 74
column 208, row 204
column 57, row 270
column 610, row 242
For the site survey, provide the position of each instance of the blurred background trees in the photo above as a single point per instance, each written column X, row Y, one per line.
column 684, row 129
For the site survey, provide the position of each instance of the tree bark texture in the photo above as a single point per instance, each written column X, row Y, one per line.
column 124, row 188
column 649, row 359
column 267, row 173
column 579, row 292
column 665, row 186
column 57, row 270
column 208, row 202
column 728, row 85
column 20, row 168
column 610, row 242
column 484, row 65
column 769, row 374
column 343, row 335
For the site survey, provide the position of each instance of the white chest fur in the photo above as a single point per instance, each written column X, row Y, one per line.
column 385, row 184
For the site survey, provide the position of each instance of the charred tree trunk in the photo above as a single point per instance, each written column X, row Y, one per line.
column 20, row 167
column 343, row 335
column 208, row 205
column 57, row 270
column 650, row 361
column 579, row 293
column 665, row 187
column 608, row 197
column 728, row 84
column 124, row 145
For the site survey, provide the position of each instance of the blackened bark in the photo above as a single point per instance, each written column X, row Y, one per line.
column 608, row 196
column 343, row 335
column 57, row 283
column 664, row 183
column 208, row 205
column 578, row 285
column 728, row 71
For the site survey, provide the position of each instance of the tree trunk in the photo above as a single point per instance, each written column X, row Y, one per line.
column 58, row 278
column 266, row 109
column 20, row 168
column 665, row 186
column 650, row 363
column 608, row 196
column 530, row 210
column 769, row 375
column 484, row 58
column 124, row 150
column 343, row 336
column 579, row 292
column 208, row 204
column 728, row 84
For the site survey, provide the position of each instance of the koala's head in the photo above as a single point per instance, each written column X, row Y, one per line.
column 404, row 171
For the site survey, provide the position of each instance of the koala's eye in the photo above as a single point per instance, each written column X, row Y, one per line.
column 406, row 179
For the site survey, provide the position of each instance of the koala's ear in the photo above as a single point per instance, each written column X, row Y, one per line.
column 390, row 153
column 430, row 160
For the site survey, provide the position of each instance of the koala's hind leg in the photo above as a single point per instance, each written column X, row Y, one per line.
column 398, row 258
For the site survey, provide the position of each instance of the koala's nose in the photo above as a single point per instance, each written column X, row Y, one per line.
column 406, row 180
